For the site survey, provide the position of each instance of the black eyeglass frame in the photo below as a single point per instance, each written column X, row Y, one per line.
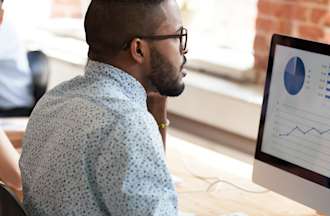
column 183, row 33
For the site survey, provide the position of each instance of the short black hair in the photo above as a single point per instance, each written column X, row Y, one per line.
column 111, row 23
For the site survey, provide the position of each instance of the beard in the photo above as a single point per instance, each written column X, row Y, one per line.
column 165, row 77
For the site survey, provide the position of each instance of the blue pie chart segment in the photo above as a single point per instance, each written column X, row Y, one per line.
column 294, row 75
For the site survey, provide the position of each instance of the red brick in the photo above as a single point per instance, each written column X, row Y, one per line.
column 311, row 32
column 265, row 7
column 272, row 26
column 320, row 2
column 284, row 27
column 318, row 15
column 261, row 62
column 265, row 24
column 282, row 10
column 299, row 12
column 327, row 20
column 261, row 44
column 308, row 19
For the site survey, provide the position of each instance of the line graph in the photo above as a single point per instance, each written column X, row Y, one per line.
column 304, row 132
column 299, row 134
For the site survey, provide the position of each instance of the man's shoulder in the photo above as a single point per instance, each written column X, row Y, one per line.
column 68, row 100
column 81, row 101
column 94, row 91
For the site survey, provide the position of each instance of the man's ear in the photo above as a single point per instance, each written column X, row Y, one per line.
column 138, row 50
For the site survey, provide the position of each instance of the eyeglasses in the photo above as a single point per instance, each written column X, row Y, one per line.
column 182, row 35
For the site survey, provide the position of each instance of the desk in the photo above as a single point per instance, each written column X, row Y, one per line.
column 185, row 158
column 14, row 128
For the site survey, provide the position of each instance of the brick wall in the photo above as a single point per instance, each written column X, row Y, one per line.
column 309, row 19
column 66, row 8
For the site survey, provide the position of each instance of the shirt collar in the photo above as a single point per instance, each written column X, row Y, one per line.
column 130, row 86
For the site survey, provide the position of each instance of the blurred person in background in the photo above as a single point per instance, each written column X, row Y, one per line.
column 9, row 170
column 15, row 77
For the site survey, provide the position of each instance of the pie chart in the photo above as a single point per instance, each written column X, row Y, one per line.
column 294, row 75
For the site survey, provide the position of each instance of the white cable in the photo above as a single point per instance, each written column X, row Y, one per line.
column 217, row 181
column 235, row 186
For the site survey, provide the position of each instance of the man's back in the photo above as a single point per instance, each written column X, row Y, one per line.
column 92, row 148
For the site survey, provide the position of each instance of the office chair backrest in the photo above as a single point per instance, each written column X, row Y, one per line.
column 9, row 206
column 39, row 66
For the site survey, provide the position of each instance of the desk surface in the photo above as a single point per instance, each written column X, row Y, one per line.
column 190, row 162
column 14, row 128
column 186, row 160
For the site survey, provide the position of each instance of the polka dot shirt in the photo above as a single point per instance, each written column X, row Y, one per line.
column 92, row 148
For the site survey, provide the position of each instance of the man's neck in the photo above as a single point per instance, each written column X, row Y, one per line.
column 132, row 69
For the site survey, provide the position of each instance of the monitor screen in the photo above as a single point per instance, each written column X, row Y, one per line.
column 294, row 132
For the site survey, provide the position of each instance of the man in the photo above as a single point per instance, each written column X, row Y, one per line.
column 15, row 77
column 91, row 146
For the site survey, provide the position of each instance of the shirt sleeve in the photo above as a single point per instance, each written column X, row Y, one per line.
column 131, row 174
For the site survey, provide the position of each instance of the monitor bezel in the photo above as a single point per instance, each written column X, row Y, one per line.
column 305, row 45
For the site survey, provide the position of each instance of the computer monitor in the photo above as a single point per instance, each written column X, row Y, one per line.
column 293, row 147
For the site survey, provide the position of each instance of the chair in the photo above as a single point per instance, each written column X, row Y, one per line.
column 39, row 66
column 9, row 205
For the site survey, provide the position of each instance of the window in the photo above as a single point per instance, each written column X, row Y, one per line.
column 221, row 35
column 221, row 32
column 25, row 14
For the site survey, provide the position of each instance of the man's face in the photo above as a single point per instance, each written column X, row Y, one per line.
column 166, row 76
column 166, row 58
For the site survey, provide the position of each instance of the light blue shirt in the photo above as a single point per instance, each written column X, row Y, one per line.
column 15, row 75
column 92, row 148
